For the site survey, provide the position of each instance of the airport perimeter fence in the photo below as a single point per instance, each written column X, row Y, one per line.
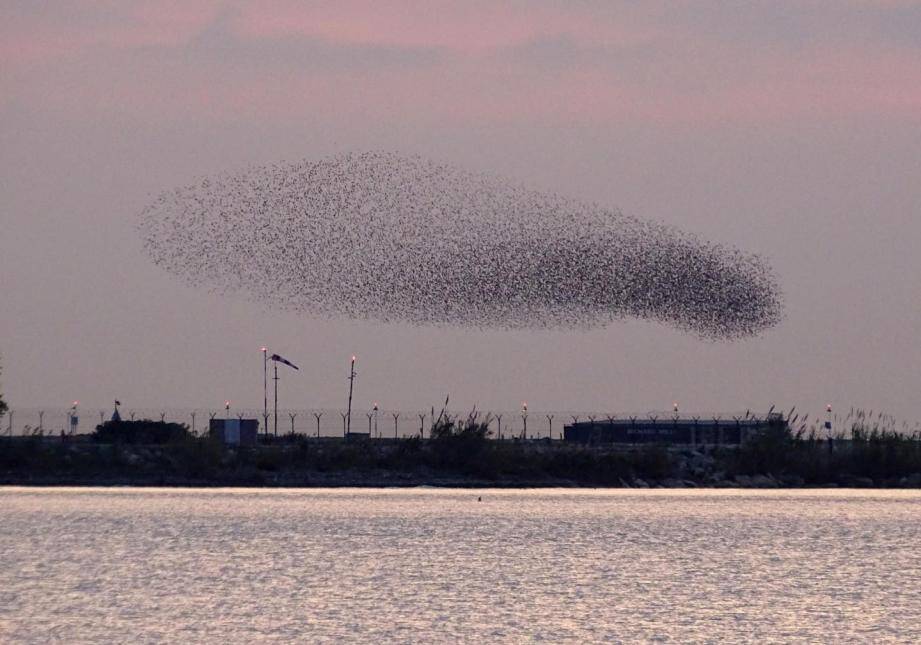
column 503, row 424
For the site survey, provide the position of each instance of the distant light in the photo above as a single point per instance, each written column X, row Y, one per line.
column 227, row 404
column 353, row 359
column 676, row 406
column 828, row 408
column 264, row 349
column 76, row 403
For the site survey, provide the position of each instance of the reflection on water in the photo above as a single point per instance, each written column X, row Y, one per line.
column 422, row 564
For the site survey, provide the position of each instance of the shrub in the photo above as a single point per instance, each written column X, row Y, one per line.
column 143, row 431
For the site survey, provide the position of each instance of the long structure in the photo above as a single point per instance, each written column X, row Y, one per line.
column 672, row 430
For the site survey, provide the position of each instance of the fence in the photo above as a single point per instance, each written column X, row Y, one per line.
column 535, row 424
column 505, row 424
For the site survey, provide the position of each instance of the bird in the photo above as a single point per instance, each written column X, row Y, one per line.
column 395, row 238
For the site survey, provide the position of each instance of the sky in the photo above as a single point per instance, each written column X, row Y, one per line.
column 791, row 130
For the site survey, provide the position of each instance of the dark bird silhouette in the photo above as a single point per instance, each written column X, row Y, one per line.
column 392, row 238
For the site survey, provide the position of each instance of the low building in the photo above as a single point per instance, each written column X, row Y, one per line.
column 235, row 432
column 671, row 430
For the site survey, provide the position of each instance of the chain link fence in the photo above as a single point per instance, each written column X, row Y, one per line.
column 327, row 422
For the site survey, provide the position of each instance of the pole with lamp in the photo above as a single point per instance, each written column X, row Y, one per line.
column 275, row 358
column 74, row 418
column 352, row 375
column 524, row 420
column 265, row 389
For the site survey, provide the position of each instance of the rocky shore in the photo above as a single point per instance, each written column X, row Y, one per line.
column 45, row 461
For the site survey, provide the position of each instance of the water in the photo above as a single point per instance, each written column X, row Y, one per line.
column 425, row 565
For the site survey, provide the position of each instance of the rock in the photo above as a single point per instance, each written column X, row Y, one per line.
column 912, row 481
column 763, row 481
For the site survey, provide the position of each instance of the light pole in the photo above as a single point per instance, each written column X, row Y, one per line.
column 375, row 421
column 352, row 375
column 550, row 422
column 292, row 415
column 524, row 420
column 227, row 410
column 421, row 416
column 74, row 419
column 499, row 421
column 317, row 415
column 265, row 389
column 396, row 417
column 276, row 359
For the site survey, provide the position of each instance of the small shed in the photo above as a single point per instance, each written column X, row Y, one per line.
column 235, row 432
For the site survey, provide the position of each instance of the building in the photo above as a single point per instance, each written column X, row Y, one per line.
column 672, row 430
column 235, row 432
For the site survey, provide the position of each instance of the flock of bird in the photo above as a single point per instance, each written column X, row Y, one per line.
column 396, row 238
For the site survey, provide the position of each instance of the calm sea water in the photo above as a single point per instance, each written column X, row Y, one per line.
column 425, row 565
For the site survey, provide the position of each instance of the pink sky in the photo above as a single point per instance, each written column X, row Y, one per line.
column 788, row 129
column 547, row 62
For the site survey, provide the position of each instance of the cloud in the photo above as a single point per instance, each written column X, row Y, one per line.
column 221, row 42
column 598, row 63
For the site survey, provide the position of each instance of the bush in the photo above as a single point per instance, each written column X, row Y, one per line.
column 459, row 443
column 143, row 431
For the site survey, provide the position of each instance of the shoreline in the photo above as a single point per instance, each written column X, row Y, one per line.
column 403, row 481
column 771, row 462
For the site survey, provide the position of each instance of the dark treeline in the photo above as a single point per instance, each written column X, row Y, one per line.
column 459, row 452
